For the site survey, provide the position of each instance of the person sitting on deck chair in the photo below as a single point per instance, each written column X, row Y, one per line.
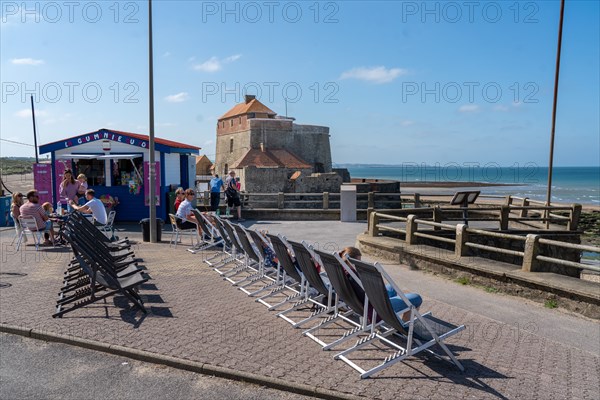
column 397, row 303
column 93, row 206
column 185, row 217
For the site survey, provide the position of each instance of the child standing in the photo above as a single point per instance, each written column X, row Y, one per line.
column 83, row 186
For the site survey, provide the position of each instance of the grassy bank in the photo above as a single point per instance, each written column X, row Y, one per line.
column 16, row 165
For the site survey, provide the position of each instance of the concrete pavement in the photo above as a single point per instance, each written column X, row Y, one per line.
column 195, row 315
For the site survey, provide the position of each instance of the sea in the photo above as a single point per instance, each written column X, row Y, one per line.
column 569, row 184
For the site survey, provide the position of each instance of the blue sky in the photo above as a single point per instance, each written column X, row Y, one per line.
column 397, row 82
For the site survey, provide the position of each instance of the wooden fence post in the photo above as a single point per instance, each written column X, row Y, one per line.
column 417, row 200
column 373, row 222
column 508, row 200
column 532, row 248
column 437, row 217
column 411, row 228
column 574, row 215
column 280, row 200
column 524, row 204
column 371, row 200
column 325, row 200
column 460, row 249
column 504, row 214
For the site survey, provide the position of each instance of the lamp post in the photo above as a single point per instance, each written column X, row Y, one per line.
column 152, row 165
column 556, row 75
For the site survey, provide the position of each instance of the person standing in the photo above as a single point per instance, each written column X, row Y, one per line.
column 233, row 195
column 93, row 206
column 83, row 186
column 17, row 202
column 216, row 184
column 69, row 188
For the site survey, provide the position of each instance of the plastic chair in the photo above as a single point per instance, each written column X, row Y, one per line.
column 28, row 224
column 176, row 232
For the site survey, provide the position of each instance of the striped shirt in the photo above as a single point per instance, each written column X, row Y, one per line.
column 35, row 210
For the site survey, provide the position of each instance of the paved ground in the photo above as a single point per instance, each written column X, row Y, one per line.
column 510, row 348
column 34, row 369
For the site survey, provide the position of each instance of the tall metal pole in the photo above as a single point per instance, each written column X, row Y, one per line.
column 556, row 75
column 152, row 166
column 34, row 132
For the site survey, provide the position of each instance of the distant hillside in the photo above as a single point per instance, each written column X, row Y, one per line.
column 16, row 165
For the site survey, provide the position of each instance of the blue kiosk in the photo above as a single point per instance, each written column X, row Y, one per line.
column 116, row 166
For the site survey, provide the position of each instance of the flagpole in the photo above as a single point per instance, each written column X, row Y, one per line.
column 34, row 132
column 152, row 166
column 555, row 101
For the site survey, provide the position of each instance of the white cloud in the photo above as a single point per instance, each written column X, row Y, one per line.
column 374, row 74
column 407, row 123
column 26, row 61
column 177, row 98
column 215, row 64
column 500, row 107
column 26, row 113
column 232, row 58
column 468, row 108
column 166, row 54
column 166, row 124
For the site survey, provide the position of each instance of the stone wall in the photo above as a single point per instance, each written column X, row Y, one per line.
column 318, row 183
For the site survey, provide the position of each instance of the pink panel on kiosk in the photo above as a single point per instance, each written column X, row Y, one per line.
column 59, row 171
column 147, row 187
column 42, row 181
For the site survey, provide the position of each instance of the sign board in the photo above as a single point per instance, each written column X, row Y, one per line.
column 42, row 181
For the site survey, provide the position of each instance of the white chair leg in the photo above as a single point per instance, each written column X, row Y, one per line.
column 20, row 240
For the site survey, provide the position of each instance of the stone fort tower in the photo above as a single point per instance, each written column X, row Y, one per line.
column 273, row 154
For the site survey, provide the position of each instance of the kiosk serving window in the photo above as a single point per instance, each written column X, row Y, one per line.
column 93, row 169
column 126, row 170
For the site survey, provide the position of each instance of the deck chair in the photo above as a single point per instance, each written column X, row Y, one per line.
column 420, row 332
column 101, row 278
column 28, row 224
column 313, row 281
column 259, row 241
column 176, row 232
column 210, row 235
column 242, row 262
column 227, row 254
column 254, row 257
column 345, row 296
column 292, row 279
column 93, row 229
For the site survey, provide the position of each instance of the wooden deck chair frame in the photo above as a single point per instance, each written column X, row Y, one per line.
column 176, row 232
column 420, row 332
